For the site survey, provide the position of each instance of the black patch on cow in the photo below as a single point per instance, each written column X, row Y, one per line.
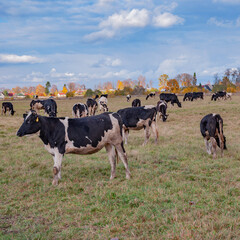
column 93, row 128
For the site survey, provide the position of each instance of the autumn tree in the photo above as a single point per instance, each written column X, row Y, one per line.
column 173, row 85
column 120, row 85
column 72, row 86
column 107, row 85
column 65, row 90
column 142, row 81
column 54, row 89
column 17, row 90
column 163, row 80
column 40, row 90
column 185, row 79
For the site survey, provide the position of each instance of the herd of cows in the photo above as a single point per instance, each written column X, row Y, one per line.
column 87, row 133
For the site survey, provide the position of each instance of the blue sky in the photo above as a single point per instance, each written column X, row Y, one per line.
column 91, row 42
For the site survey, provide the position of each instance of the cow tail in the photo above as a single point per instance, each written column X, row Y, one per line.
column 220, row 123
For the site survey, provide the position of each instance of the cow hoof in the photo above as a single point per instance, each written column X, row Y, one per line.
column 128, row 176
column 55, row 182
column 112, row 177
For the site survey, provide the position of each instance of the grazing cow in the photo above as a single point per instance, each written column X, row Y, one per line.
column 170, row 97
column 104, row 95
column 49, row 106
column 219, row 95
column 152, row 94
column 80, row 110
column 187, row 96
column 103, row 104
column 211, row 127
column 103, row 100
column 92, row 106
column 229, row 95
column 162, row 110
column 7, row 106
column 138, row 118
column 136, row 103
column 78, row 135
column 128, row 97
column 196, row 95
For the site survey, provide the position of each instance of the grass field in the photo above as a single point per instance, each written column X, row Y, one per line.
column 177, row 191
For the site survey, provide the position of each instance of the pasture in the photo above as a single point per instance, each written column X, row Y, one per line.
column 177, row 191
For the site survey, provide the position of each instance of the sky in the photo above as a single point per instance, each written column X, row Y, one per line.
column 91, row 42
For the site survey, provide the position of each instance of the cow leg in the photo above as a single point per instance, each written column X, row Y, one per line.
column 125, row 133
column 112, row 158
column 208, row 147
column 57, row 167
column 221, row 141
column 147, row 134
column 121, row 152
column 213, row 146
column 155, row 131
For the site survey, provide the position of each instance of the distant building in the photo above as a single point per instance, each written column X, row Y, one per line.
column 209, row 87
column 61, row 94
column 1, row 95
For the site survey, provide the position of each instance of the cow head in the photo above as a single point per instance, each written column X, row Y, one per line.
column 179, row 104
column 30, row 125
column 164, row 117
column 12, row 112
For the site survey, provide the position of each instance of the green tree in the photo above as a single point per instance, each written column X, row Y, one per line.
column 194, row 81
column 47, row 86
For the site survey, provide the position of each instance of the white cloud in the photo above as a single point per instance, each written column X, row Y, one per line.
column 108, row 62
column 11, row 58
column 134, row 18
column 220, row 23
column 167, row 20
column 103, row 34
column 227, row 1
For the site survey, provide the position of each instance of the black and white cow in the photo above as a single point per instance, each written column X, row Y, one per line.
column 170, row 97
column 219, row 95
column 92, row 106
column 103, row 104
column 196, row 95
column 211, row 127
column 78, row 135
column 187, row 96
column 80, row 110
column 138, row 118
column 49, row 106
column 7, row 106
column 152, row 94
column 136, row 103
column 128, row 97
column 162, row 110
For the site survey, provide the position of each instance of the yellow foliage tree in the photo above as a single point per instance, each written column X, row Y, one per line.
column 120, row 85
column 163, row 80
column 65, row 90
column 187, row 90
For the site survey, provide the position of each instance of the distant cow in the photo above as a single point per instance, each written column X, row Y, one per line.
column 162, row 110
column 229, row 95
column 128, row 97
column 136, row 103
column 138, row 118
column 219, row 95
column 80, row 110
column 49, row 106
column 103, row 104
column 187, row 96
column 196, row 95
column 170, row 97
column 152, row 94
column 7, row 106
column 78, row 135
column 92, row 106
column 211, row 127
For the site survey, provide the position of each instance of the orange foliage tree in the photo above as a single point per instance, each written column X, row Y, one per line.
column 173, row 86
column 64, row 90
column 120, row 85
column 40, row 90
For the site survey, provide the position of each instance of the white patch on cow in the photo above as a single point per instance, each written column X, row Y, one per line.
column 214, row 114
column 28, row 115
column 148, row 106
column 88, row 139
column 51, row 150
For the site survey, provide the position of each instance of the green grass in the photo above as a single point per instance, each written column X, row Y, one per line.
column 177, row 191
